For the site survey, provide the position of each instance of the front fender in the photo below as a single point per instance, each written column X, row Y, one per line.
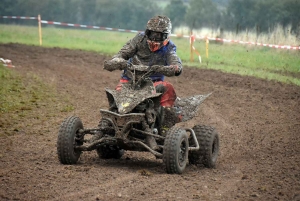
column 126, row 99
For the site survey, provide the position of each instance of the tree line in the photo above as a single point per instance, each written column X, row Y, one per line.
column 234, row 15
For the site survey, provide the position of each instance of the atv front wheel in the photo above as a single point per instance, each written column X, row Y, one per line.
column 108, row 152
column 208, row 139
column 66, row 140
column 175, row 152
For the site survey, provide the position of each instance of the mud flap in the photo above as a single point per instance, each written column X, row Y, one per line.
column 189, row 106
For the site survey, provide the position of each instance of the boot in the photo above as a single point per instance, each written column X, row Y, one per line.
column 151, row 142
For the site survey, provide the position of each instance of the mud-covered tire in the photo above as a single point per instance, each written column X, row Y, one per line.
column 175, row 151
column 208, row 139
column 108, row 152
column 66, row 140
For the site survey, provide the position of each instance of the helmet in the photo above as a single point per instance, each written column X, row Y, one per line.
column 157, row 32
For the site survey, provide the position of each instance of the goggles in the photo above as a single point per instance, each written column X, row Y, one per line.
column 156, row 36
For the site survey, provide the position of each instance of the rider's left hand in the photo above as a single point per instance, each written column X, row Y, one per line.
column 166, row 70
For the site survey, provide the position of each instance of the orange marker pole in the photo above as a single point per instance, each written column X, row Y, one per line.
column 192, row 43
column 40, row 29
column 207, row 41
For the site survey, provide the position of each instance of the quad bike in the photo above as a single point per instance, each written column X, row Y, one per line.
column 135, row 116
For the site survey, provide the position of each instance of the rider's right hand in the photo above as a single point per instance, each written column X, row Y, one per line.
column 122, row 63
column 115, row 64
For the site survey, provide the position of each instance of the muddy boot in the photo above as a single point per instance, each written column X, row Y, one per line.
column 178, row 113
column 160, row 88
column 151, row 142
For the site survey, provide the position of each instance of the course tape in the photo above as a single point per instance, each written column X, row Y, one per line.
column 251, row 43
column 254, row 43
column 7, row 63
column 19, row 17
column 87, row 26
column 175, row 35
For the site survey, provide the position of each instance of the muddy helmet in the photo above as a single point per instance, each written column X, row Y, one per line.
column 158, row 31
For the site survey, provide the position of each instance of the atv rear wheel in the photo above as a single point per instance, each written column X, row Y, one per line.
column 108, row 152
column 175, row 152
column 208, row 139
column 66, row 140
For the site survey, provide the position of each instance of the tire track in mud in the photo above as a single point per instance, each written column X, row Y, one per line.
column 125, row 180
column 235, row 145
column 99, row 189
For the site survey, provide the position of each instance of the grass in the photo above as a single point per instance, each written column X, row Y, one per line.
column 261, row 62
column 26, row 97
column 16, row 94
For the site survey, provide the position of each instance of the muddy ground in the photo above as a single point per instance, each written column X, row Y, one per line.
column 258, row 122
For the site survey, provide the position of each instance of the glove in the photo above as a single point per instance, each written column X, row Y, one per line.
column 166, row 70
column 115, row 64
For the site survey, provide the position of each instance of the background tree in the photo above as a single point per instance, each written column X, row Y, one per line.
column 241, row 14
column 130, row 14
column 202, row 13
column 176, row 10
column 133, row 14
column 264, row 14
column 291, row 15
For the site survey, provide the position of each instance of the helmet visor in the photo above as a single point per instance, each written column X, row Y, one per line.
column 156, row 36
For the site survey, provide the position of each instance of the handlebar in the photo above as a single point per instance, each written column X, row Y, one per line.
column 122, row 64
column 141, row 68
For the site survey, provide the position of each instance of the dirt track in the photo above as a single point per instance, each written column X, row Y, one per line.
column 258, row 122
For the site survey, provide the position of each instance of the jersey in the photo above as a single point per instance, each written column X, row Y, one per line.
column 137, row 52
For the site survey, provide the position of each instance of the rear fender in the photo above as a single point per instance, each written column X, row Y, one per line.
column 189, row 106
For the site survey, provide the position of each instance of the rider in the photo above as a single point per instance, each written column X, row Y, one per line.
column 151, row 48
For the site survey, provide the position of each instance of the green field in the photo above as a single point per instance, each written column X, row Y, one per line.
column 262, row 62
